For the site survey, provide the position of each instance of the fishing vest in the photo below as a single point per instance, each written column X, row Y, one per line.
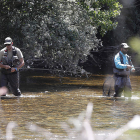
column 13, row 62
column 122, row 72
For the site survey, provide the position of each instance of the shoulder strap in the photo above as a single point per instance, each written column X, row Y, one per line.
column 121, row 58
column 14, row 51
column 128, row 57
column 129, row 60
column 5, row 52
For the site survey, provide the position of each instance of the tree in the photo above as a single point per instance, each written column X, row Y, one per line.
column 102, row 13
column 57, row 31
column 128, row 24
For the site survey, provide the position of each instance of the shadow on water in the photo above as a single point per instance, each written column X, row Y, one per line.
column 48, row 101
column 37, row 81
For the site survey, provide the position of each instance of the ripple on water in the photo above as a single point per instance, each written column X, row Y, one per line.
column 22, row 96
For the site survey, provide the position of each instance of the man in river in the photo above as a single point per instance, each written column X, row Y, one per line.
column 122, row 68
column 11, row 60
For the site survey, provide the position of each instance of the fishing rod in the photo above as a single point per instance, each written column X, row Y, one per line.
column 37, row 69
column 137, row 67
column 84, row 72
column 64, row 71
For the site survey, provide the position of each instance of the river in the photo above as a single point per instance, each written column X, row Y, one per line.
column 50, row 102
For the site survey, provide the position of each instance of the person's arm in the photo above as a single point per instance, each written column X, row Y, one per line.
column 21, row 64
column 4, row 66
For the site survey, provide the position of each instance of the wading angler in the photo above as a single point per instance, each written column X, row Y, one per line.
column 122, row 68
column 11, row 60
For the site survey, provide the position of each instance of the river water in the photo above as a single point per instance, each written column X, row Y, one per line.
column 50, row 102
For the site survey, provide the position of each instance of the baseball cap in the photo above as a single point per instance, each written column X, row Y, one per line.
column 8, row 40
column 124, row 45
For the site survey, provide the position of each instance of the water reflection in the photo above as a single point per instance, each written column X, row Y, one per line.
column 47, row 102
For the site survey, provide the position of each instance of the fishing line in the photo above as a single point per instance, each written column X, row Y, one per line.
column 137, row 69
column 85, row 81
column 50, row 70
column 64, row 71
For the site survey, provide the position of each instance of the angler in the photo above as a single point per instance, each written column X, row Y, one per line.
column 11, row 60
column 121, row 69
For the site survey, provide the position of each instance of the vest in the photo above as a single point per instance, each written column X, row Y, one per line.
column 13, row 62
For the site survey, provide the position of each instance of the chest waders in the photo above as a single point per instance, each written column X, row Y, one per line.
column 9, row 78
column 109, row 84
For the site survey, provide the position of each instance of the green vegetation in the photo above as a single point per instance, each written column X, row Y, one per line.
column 60, row 32
column 102, row 13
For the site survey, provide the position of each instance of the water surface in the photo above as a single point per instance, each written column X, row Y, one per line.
column 47, row 101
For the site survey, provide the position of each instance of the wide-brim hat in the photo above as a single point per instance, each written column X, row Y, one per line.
column 124, row 45
column 8, row 41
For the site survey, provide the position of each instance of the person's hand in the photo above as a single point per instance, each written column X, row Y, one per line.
column 133, row 70
column 7, row 67
column 129, row 67
column 13, row 69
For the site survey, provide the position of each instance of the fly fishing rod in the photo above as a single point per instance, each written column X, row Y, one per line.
column 82, row 72
column 55, row 70
column 137, row 67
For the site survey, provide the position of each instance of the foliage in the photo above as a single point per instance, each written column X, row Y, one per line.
column 57, row 31
column 102, row 13
column 128, row 23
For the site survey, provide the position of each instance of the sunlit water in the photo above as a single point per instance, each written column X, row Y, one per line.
column 48, row 101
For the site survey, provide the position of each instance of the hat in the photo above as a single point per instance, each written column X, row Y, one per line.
column 8, row 40
column 124, row 45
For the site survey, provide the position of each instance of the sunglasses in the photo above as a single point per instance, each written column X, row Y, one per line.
column 7, row 44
